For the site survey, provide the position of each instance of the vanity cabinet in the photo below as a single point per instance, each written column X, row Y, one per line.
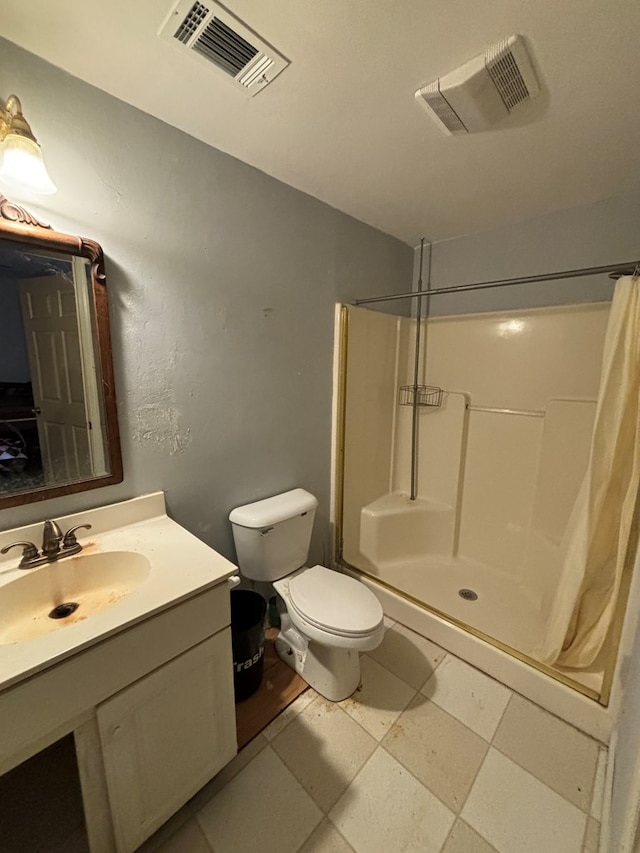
column 145, row 683
column 165, row 736
column 152, row 712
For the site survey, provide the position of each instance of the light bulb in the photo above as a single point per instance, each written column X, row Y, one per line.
column 23, row 165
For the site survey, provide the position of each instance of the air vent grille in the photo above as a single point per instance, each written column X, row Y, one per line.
column 228, row 47
column 224, row 47
column 508, row 80
column 190, row 24
column 257, row 70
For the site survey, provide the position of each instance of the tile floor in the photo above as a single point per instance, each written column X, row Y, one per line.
column 431, row 755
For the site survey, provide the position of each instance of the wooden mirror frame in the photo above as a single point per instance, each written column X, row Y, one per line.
column 19, row 226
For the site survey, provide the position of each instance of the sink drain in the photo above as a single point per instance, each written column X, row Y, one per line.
column 468, row 594
column 64, row 610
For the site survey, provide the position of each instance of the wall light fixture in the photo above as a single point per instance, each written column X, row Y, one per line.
column 22, row 162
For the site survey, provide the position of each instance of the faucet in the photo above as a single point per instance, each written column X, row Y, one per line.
column 51, row 539
column 55, row 545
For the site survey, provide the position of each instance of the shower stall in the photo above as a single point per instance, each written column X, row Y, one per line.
column 462, row 446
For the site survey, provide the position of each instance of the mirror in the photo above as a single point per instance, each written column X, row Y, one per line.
column 58, row 423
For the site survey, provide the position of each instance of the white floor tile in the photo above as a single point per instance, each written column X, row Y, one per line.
column 464, row 839
column 166, row 831
column 408, row 655
column 188, row 838
column 386, row 809
column 515, row 812
column 264, row 807
column 380, row 701
column 326, row 839
column 598, row 785
column 592, row 836
column 533, row 738
column 439, row 750
column 468, row 695
column 324, row 749
column 246, row 754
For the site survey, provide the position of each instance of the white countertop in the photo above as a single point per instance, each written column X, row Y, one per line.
column 181, row 566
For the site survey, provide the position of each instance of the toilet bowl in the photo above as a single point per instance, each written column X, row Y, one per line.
column 327, row 618
column 330, row 618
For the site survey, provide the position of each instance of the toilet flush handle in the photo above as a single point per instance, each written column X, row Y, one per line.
column 266, row 531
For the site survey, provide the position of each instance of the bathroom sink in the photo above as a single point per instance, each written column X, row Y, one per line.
column 135, row 564
column 42, row 600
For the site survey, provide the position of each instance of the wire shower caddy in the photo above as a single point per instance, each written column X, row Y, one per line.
column 420, row 395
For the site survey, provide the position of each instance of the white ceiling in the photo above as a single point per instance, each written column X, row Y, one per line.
column 341, row 122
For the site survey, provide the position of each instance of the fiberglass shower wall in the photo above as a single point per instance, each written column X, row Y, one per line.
column 500, row 462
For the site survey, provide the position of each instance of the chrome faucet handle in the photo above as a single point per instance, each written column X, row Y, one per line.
column 51, row 537
column 29, row 551
column 70, row 536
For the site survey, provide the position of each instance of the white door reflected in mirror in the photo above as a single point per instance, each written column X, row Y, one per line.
column 51, row 421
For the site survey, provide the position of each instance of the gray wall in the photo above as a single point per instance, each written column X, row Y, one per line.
column 593, row 235
column 222, row 284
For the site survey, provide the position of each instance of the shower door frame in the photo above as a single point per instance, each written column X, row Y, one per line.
column 603, row 696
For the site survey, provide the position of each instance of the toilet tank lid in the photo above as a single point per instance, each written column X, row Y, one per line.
column 273, row 510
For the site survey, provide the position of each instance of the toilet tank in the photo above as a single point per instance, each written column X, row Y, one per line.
column 272, row 536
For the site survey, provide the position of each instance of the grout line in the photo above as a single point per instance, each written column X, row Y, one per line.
column 459, row 722
column 475, row 779
column 218, row 789
column 313, row 828
column 388, row 669
column 325, row 817
column 435, row 669
column 158, row 840
column 502, row 716
column 420, row 782
column 346, row 790
column 450, row 833
column 294, row 774
column 603, row 756
column 538, row 779
column 584, row 835
column 440, row 662
column 358, row 723
column 587, row 809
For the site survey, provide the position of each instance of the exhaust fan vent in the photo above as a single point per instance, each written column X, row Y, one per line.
column 482, row 91
column 442, row 108
column 508, row 74
column 215, row 36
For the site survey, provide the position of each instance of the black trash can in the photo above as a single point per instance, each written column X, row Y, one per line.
column 248, row 610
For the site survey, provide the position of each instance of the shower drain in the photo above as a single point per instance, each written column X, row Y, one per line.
column 468, row 594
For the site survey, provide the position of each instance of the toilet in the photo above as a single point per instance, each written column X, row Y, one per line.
column 327, row 618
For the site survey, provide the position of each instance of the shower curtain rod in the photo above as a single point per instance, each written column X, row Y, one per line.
column 629, row 268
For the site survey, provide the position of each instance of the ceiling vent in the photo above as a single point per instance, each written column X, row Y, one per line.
column 482, row 91
column 213, row 35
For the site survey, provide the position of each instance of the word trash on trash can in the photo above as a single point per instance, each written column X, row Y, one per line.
column 247, row 664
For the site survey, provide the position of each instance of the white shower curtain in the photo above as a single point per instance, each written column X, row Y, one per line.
column 594, row 547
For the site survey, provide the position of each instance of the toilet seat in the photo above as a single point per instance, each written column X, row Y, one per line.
column 333, row 602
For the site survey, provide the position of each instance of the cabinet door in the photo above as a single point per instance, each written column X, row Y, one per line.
column 165, row 736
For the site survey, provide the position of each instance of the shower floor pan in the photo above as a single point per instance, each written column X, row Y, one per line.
column 503, row 610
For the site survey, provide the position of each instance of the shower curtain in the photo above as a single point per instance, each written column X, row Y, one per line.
column 595, row 544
